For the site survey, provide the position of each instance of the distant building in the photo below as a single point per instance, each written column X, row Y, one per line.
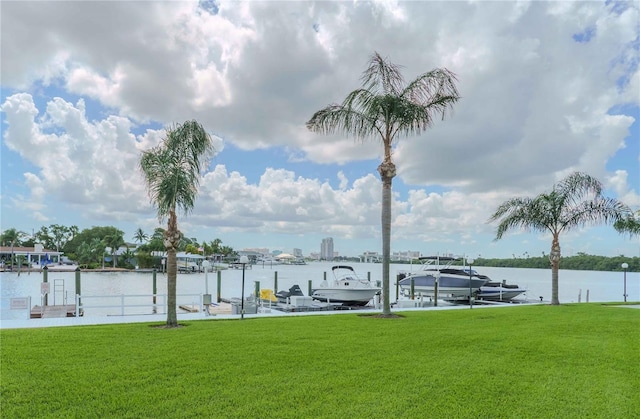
column 369, row 257
column 405, row 256
column 297, row 253
column 326, row 249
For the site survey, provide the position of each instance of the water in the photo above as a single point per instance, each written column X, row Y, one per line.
column 102, row 291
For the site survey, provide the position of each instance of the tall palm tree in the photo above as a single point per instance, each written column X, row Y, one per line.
column 172, row 174
column 574, row 202
column 385, row 108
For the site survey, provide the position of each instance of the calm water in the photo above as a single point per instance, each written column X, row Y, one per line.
column 95, row 287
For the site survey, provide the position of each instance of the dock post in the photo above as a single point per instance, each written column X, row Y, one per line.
column 256, row 290
column 397, row 286
column 435, row 292
column 413, row 288
column 219, row 285
column 45, row 279
column 587, row 296
column 78, row 291
column 310, row 286
column 275, row 282
column 580, row 295
column 155, row 288
column 369, row 276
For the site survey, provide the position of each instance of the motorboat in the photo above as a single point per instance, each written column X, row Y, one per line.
column 499, row 291
column 453, row 282
column 346, row 288
column 284, row 296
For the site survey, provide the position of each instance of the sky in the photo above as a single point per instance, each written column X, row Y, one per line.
column 547, row 89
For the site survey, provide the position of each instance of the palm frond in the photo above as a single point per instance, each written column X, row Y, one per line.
column 340, row 119
column 593, row 212
column 382, row 77
column 172, row 169
column 577, row 186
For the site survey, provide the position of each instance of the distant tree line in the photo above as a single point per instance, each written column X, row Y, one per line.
column 97, row 247
column 579, row 262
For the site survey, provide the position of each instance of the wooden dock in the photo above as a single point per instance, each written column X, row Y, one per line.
column 49, row 312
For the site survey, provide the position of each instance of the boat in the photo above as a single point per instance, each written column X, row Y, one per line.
column 453, row 282
column 499, row 291
column 284, row 296
column 346, row 288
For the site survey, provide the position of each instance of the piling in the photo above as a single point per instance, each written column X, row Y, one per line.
column 369, row 276
column 435, row 293
column 45, row 279
column 256, row 290
column 310, row 288
column 587, row 296
column 413, row 288
column 78, row 290
column 219, row 286
column 155, row 288
column 275, row 281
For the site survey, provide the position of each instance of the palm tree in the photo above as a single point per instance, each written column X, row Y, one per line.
column 114, row 241
column 172, row 175
column 574, row 202
column 385, row 107
column 140, row 236
column 13, row 238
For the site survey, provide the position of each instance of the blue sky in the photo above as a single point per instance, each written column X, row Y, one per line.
column 547, row 88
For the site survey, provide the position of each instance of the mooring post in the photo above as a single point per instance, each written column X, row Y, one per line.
column 413, row 288
column 310, row 286
column 78, row 290
column 587, row 296
column 275, row 282
column 256, row 290
column 218, row 298
column 435, row 293
column 155, row 287
column 45, row 279
column 369, row 276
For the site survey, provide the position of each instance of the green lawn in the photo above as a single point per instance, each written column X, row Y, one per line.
column 570, row 361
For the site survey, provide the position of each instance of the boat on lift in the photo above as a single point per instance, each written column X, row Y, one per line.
column 346, row 288
column 453, row 282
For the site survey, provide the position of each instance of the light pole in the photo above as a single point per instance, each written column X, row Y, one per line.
column 243, row 260
column 470, row 262
column 625, row 266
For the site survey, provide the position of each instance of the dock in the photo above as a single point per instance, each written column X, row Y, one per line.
column 50, row 312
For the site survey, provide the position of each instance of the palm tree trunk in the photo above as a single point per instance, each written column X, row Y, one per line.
column 554, row 258
column 172, row 271
column 171, row 240
column 387, row 172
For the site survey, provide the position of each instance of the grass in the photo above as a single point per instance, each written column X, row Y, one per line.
column 571, row 361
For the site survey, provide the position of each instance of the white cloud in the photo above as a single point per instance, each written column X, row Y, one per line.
column 535, row 104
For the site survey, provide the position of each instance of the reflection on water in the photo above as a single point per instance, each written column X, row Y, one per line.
column 105, row 291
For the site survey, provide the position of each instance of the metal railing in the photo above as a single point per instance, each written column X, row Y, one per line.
column 157, row 303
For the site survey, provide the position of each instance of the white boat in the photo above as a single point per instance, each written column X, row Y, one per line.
column 453, row 283
column 346, row 288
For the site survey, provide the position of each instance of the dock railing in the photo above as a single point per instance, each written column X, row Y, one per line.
column 132, row 304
